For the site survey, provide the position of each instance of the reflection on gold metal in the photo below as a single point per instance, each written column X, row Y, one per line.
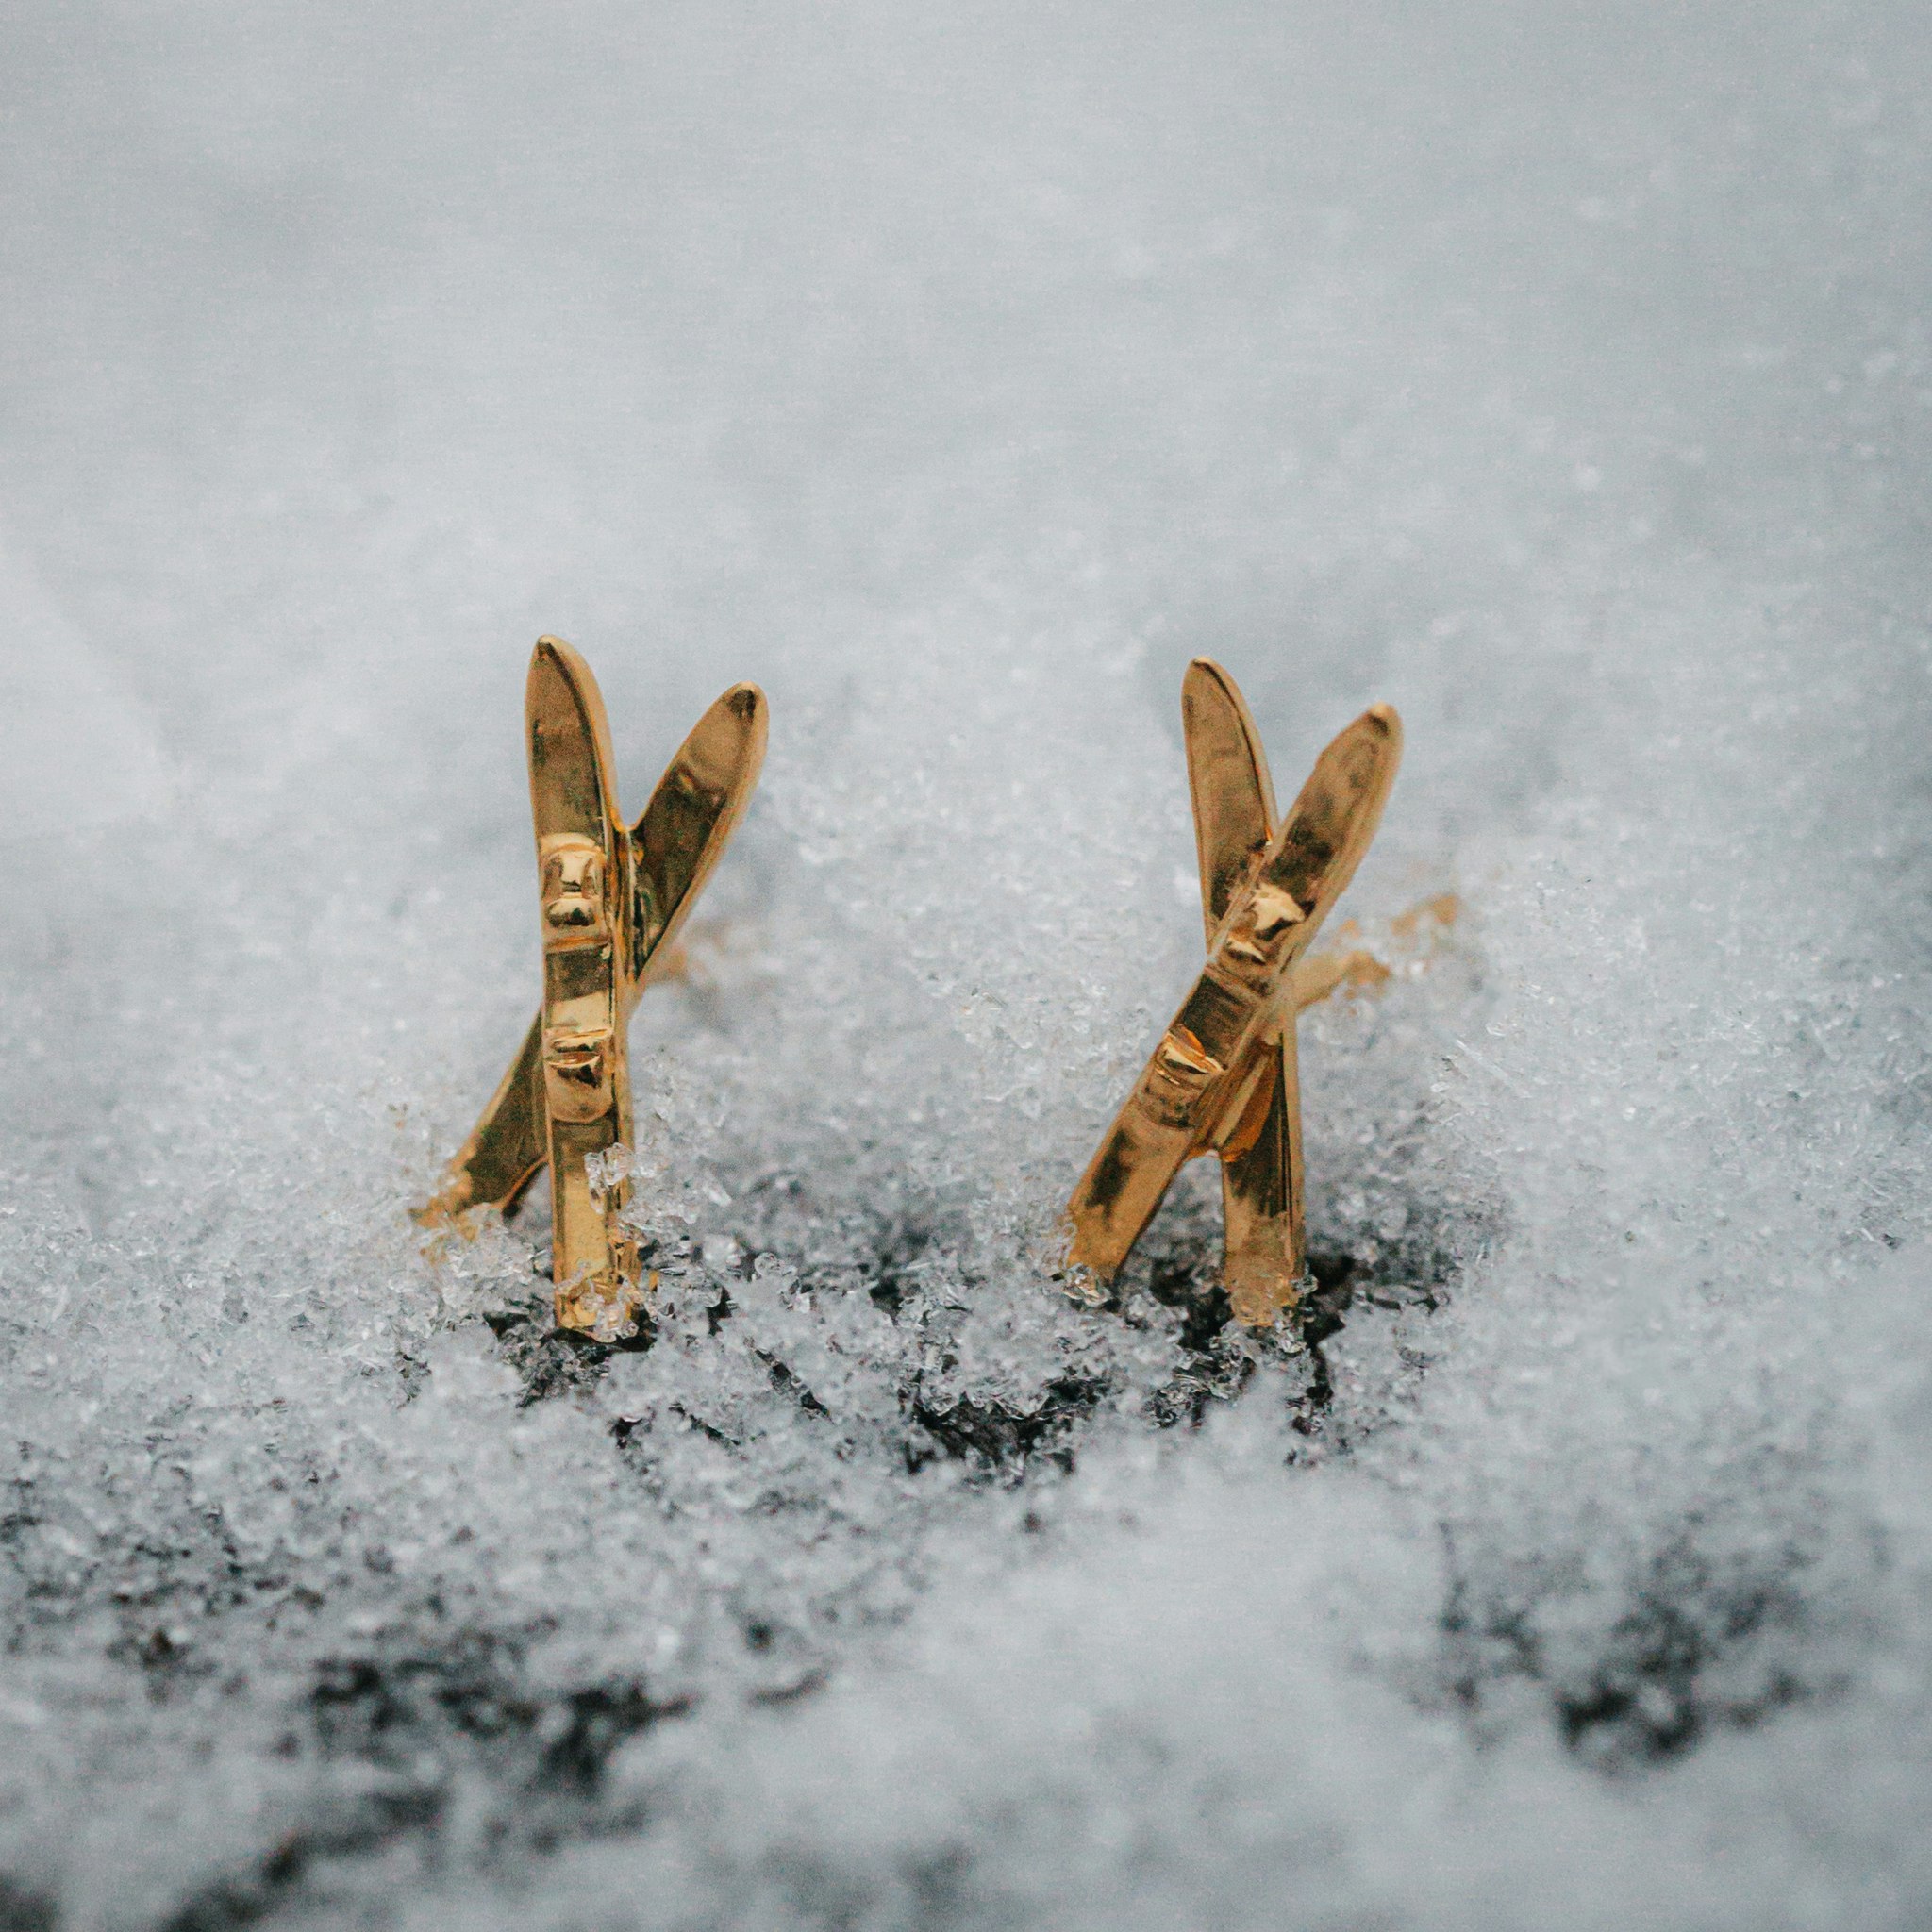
column 1221, row 1079
column 612, row 900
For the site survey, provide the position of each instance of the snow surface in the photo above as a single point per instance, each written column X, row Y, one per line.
column 1559, row 374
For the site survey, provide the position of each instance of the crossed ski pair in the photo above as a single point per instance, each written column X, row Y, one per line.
column 1221, row 1079
column 612, row 899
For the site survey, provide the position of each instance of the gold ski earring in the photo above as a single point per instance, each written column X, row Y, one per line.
column 1222, row 1078
column 611, row 898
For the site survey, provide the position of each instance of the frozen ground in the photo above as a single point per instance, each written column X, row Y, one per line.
column 1561, row 374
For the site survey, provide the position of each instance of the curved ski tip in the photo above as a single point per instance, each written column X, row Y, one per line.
column 1378, row 731
column 564, row 660
column 1209, row 688
column 559, row 676
column 723, row 754
column 1205, row 667
column 750, row 712
column 1203, row 679
column 1387, row 720
column 751, row 709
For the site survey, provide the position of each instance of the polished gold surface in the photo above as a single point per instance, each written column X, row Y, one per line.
column 1222, row 1079
column 586, row 985
column 611, row 903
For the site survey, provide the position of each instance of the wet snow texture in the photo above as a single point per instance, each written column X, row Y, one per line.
column 1561, row 376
